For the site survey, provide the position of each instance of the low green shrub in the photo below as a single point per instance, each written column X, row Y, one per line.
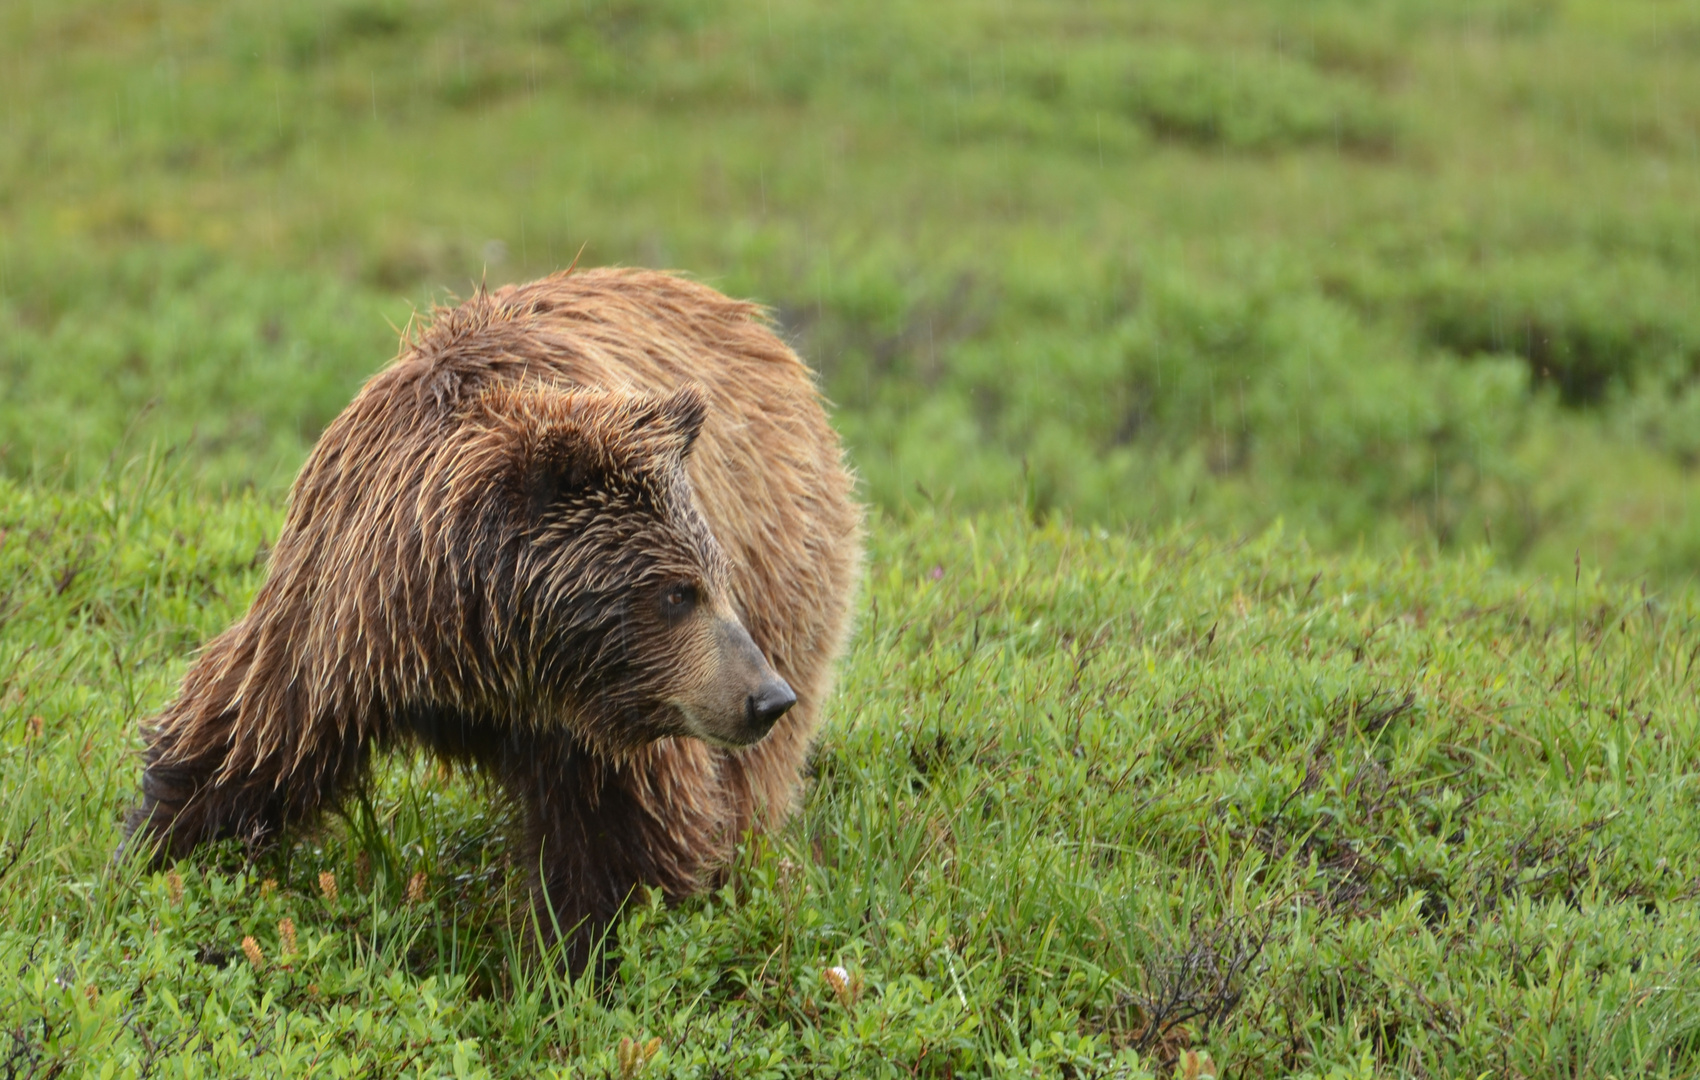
column 1251, row 101
column 183, row 350
column 1086, row 801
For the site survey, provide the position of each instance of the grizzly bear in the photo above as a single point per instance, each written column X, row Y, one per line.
column 592, row 535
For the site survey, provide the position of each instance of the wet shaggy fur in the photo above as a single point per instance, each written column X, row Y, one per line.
column 469, row 564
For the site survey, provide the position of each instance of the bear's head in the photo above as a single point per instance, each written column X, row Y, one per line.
column 606, row 596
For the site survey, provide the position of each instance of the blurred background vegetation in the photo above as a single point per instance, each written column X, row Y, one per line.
column 1395, row 271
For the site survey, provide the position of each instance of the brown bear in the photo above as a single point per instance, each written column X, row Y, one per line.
column 592, row 535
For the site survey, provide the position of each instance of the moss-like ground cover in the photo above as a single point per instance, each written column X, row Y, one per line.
column 1086, row 801
column 1392, row 271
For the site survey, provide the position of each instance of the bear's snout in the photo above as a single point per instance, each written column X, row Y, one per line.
column 769, row 703
column 738, row 696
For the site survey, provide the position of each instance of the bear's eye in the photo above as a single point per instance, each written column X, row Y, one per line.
column 678, row 599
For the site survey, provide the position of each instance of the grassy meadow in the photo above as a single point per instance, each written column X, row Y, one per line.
column 1281, row 423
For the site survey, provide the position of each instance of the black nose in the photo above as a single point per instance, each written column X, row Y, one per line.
column 769, row 703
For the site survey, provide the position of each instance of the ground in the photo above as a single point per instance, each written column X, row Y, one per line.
column 1085, row 798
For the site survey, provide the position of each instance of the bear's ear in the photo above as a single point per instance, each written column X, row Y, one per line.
column 554, row 441
column 668, row 426
column 567, row 441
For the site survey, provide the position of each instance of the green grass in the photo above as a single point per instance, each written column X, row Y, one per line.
column 1354, row 814
column 1389, row 271
column 1281, row 425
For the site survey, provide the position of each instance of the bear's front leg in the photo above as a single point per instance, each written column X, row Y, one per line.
column 209, row 776
column 188, row 799
column 596, row 830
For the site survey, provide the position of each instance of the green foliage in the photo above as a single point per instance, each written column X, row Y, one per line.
column 1589, row 324
column 178, row 349
column 1254, row 102
column 1387, row 272
column 1084, row 802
